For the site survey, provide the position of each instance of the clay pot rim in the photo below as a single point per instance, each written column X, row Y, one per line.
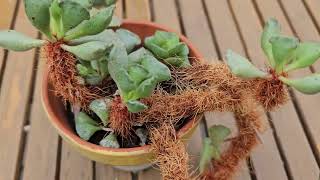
column 72, row 136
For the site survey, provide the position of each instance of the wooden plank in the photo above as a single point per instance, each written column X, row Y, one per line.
column 266, row 158
column 137, row 9
column 286, row 121
column 14, row 99
column 226, row 40
column 306, row 31
column 165, row 12
column 314, row 8
column 41, row 150
column 7, row 9
column 197, row 28
column 73, row 166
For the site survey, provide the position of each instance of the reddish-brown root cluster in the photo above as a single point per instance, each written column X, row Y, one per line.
column 248, row 123
column 270, row 93
column 171, row 155
column 63, row 77
column 120, row 118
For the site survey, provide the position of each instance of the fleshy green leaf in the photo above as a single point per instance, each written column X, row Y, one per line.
column 85, row 126
column 88, row 51
column 272, row 28
column 94, row 25
column 218, row 134
column 305, row 55
column 143, row 135
column 56, row 24
column 84, row 3
column 282, row 49
column 166, row 46
column 241, row 66
column 115, row 22
column 101, row 108
column 13, row 40
column 307, row 85
column 38, row 13
column 135, row 106
column 110, row 2
column 110, row 141
column 129, row 38
column 107, row 36
column 206, row 155
column 73, row 14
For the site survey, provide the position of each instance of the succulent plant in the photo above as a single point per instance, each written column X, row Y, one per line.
column 167, row 47
column 284, row 54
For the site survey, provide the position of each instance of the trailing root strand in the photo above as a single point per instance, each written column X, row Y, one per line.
column 170, row 152
column 248, row 122
column 63, row 76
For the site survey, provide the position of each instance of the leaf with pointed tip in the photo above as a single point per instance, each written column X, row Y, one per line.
column 110, row 141
column 130, row 39
column 94, row 25
column 272, row 28
column 38, row 13
column 56, row 24
column 86, row 126
column 88, row 51
column 108, row 36
column 13, row 40
column 218, row 134
column 241, row 66
column 282, row 49
column 305, row 55
column 206, row 154
column 73, row 14
column 135, row 106
column 115, row 22
column 307, row 85
column 101, row 108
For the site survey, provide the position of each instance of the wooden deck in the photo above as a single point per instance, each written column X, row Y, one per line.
column 31, row 149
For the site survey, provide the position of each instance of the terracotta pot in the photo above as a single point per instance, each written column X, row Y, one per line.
column 117, row 157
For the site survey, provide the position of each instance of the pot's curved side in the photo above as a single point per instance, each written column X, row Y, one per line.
column 118, row 157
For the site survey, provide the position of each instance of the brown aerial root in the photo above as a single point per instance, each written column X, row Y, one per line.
column 248, row 123
column 164, row 106
column 63, row 76
column 270, row 93
column 170, row 152
column 119, row 118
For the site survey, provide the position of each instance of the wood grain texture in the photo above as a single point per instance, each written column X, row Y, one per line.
column 74, row 166
column 14, row 103
column 165, row 13
column 137, row 9
column 7, row 9
column 286, row 121
column 306, row 31
column 104, row 172
column 42, row 145
column 266, row 158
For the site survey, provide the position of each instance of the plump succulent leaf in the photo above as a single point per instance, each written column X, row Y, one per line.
column 86, row 126
column 115, row 22
column 130, row 39
column 136, row 106
column 108, row 36
column 84, row 3
column 307, row 85
column 136, row 75
column 73, row 14
column 282, row 49
column 88, row 51
column 101, row 108
column 305, row 55
column 206, row 155
column 218, row 134
column 166, row 45
column 143, row 135
column 110, row 2
column 56, row 23
column 38, row 13
column 271, row 29
column 110, row 141
column 13, row 40
column 242, row 67
column 94, row 25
